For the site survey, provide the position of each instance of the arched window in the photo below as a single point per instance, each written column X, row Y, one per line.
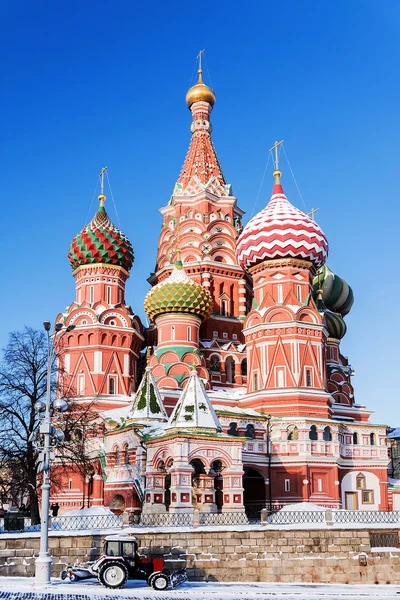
column 255, row 382
column 214, row 363
column 292, row 433
column 244, row 367
column 173, row 332
column 233, row 429
column 250, row 432
column 117, row 458
column 280, row 378
column 372, row 439
column 308, row 378
column 313, row 433
column 126, row 454
column 111, row 385
column 280, row 294
column 355, row 437
column 91, row 294
column 109, row 294
column 229, row 369
column 299, row 293
column 327, row 435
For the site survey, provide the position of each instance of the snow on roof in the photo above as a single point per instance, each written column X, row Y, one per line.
column 147, row 404
column 394, row 434
column 194, row 409
column 227, row 393
column 116, row 414
column 250, row 412
column 303, row 507
column 88, row 512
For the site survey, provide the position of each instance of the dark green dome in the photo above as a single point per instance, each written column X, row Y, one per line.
column 335, row 324
column 337, row 295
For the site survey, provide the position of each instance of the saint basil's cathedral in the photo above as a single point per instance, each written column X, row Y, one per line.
column 243, row 397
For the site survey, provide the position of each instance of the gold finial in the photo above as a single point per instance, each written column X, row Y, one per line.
column 102, row 197
column 312, row 213
column 277, row 173
column 148, row 355
column 200, row 70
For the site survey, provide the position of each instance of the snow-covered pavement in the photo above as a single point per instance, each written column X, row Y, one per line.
column 16, row 588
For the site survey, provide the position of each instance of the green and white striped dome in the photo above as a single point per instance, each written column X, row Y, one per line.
column 337, row 295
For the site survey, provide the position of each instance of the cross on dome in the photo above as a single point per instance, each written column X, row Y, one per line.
column 281, row 230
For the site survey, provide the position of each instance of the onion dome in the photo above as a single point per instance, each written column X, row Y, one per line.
column 178, row 293
column 200, row 92
column 101, row 242
column 281, row 230
column 337, row 295
column 335, row 324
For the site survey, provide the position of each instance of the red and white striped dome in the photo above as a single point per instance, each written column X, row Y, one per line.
column 280, row 231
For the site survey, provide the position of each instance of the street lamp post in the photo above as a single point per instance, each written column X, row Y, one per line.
column 269, row 451
column 47, row 440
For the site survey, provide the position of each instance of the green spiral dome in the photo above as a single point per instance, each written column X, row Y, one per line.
column 335, row 324
column 178, row 293
column 337, row 295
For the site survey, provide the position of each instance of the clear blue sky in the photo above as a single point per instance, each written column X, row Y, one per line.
column 88, row 84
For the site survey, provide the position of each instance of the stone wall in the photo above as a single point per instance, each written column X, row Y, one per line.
column 257, row 554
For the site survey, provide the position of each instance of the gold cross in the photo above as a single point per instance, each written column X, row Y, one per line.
column 199, row 57
column 275, row 147
column 101, row 177
column 312, row 213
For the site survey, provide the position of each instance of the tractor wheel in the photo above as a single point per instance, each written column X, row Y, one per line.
column 113, row 575
column 160, row 582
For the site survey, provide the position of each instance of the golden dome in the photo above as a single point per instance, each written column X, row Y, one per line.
column 200, row 92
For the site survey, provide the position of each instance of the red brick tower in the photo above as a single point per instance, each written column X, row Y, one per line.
column 202, row 220
column 100, row 355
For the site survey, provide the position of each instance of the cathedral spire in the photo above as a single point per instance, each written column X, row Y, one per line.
column 201, row 170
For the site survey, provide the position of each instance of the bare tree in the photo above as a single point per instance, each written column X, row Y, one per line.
column 23, row 381
column 23, row 373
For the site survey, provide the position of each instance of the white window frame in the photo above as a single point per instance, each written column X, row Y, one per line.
column 81, row 383
column 280, row 293
column 91, row 292
column 109, row 294
column 189, row 334
column 287, row 485
column 298, row 290
column 173, row 333
column 319, row 485
column 280, row 371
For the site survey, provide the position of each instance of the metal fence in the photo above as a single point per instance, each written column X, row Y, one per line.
column 62, row 523
column 289, row 517
column 366, row 516
column 251, row 516
column 226, row 518
column 163, row 520
column 384, row 540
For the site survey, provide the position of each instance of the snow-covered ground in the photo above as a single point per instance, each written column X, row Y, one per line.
column 13, row 588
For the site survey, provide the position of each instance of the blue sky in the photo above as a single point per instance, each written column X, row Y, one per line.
column 88, row 84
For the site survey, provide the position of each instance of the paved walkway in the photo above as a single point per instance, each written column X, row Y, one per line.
column 15, row 588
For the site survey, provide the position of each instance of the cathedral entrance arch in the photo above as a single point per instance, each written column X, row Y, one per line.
column 253, row 490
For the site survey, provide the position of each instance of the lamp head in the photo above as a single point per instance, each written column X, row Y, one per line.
column 70, row 328
column 47, row 325
column 58, row 327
